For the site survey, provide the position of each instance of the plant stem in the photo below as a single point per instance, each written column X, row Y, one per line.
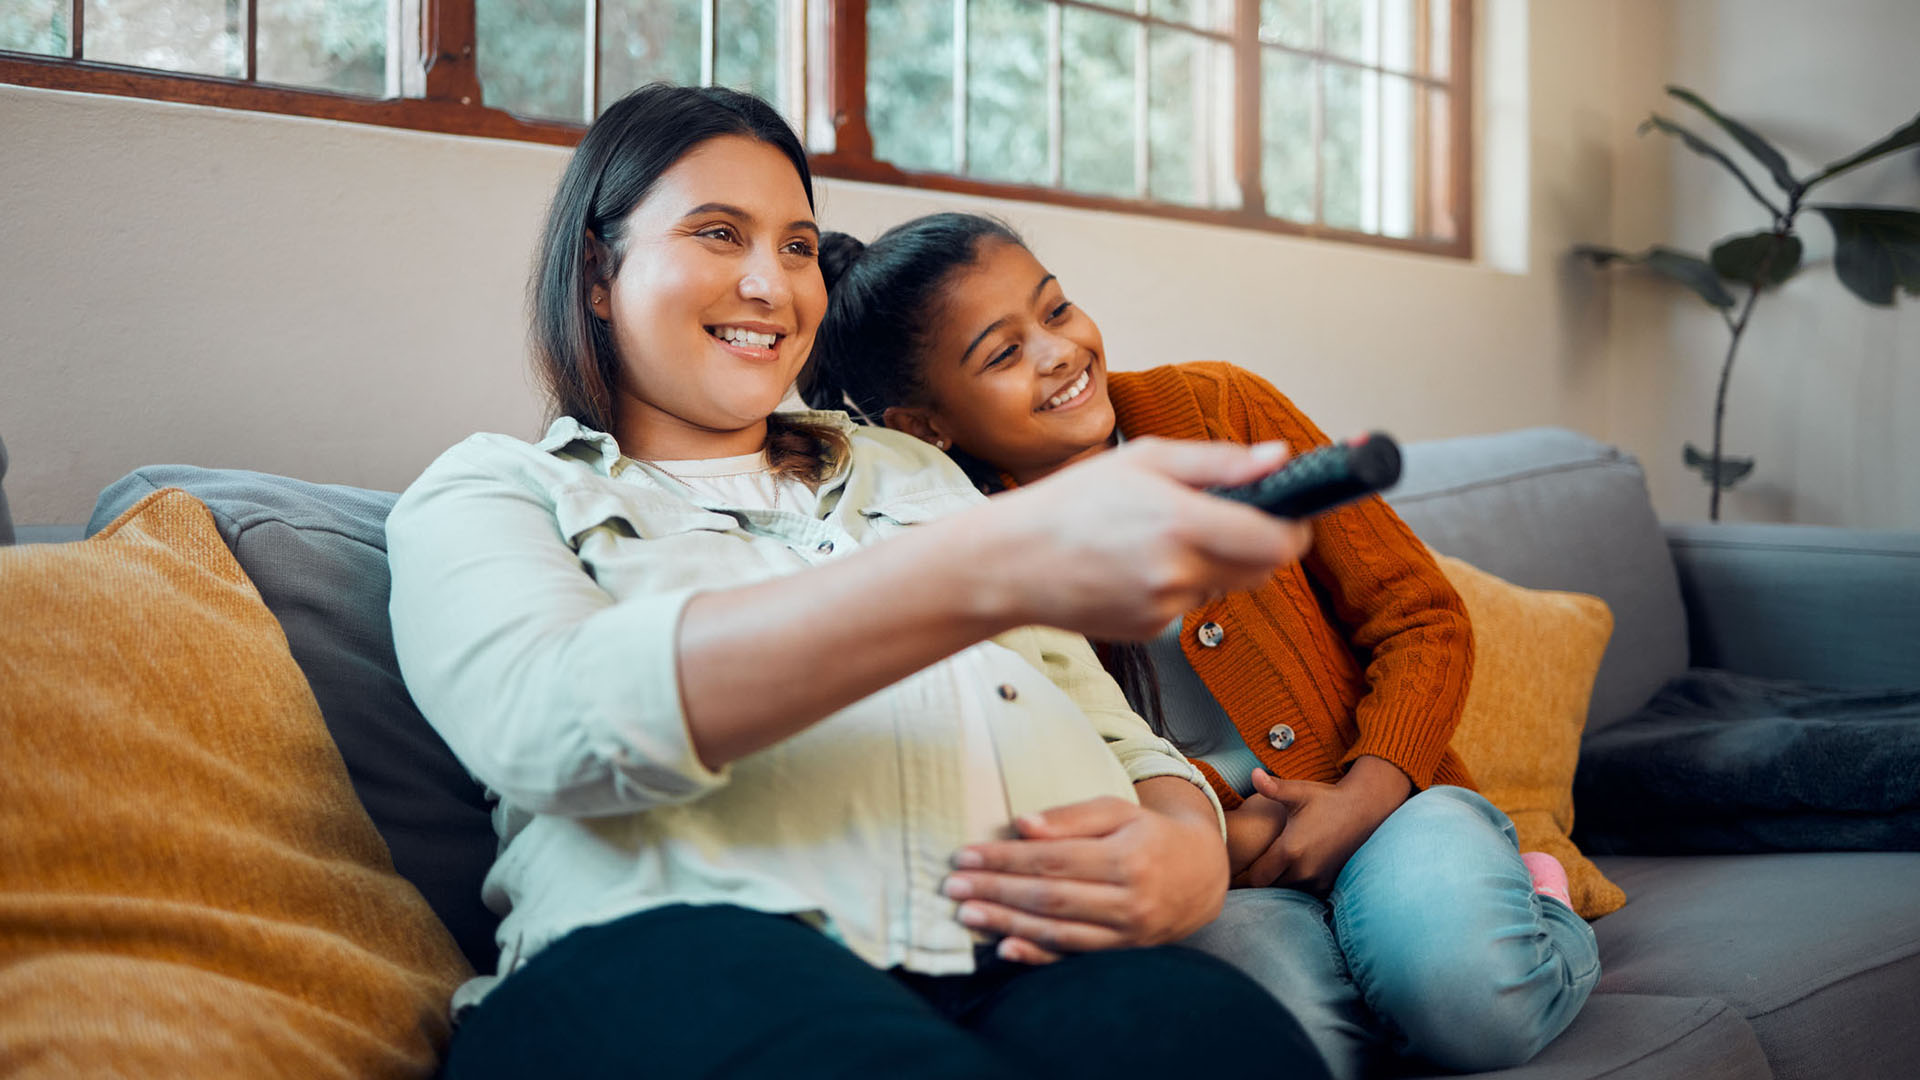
column 1782, row 226
column 1738, row 326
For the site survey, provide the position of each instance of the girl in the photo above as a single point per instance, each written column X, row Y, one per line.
column 1319, row 704
column 738, row 742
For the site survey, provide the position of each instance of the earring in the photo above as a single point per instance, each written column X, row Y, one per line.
column 939, row 444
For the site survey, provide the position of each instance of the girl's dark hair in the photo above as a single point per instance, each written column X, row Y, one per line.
column 616, row 165
column 883, row 299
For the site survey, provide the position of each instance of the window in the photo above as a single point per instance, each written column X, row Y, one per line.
column 1343, row 118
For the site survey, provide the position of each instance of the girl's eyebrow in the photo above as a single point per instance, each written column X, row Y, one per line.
column 801, row 224
column 998, row 323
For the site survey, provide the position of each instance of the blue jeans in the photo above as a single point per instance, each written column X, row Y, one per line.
column 1432, row 945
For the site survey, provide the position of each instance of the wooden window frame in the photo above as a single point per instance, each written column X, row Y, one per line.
column 449, row 101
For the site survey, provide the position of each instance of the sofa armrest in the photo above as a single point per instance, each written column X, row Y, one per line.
column 1829, row 606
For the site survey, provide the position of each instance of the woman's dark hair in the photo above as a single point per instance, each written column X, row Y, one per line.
column 616, row 165
column 883, row 299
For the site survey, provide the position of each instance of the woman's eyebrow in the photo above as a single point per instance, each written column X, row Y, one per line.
column 746, row 216
column 998, row 323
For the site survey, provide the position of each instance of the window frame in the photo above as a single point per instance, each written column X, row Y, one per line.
column 450, row 102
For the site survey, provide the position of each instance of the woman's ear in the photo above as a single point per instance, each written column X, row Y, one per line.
column 599, row 289
column 917, row 422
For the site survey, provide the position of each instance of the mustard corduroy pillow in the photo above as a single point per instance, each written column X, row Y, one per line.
column 188, row 886
column 1535, row 656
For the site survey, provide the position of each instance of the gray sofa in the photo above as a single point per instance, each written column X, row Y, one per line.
column 1762, row 963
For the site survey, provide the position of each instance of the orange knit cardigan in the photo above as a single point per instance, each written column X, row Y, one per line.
column 1361, row 648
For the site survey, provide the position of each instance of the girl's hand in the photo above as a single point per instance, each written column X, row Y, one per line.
column 1120, row 545
column 1100, row 874
column 1252, row 827
column 1326, row 823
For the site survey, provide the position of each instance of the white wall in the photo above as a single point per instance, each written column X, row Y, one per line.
column 339, row 303
column 1824, row 388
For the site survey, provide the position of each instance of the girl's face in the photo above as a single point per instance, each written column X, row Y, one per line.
column 715, row 302
column 1016, row 375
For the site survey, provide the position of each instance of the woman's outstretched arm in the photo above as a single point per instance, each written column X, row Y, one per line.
column 1113, row 548
column 568, row 701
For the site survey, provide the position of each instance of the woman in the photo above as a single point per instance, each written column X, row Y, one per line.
column 738, row 742
column 1319, row 704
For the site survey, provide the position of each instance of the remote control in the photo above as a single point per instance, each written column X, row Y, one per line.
column 1321, row 479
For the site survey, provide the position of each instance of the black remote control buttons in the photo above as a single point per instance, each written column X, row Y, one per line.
column 1321, row 479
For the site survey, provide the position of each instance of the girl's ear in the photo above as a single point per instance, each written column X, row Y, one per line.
column 917, row 422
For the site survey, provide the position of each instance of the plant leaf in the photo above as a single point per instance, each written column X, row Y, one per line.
column 1689, row 270
column 1742, row 257
column 1761, row 149
column 1875, row 249
column 1732, row 469
column 1706, row 149
column 1899, row 140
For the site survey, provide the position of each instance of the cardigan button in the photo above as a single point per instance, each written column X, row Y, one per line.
column 1007, row 692
column 1210, row 634
column 1279, row 736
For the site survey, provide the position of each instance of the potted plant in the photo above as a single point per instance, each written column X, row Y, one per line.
column 1876, row 252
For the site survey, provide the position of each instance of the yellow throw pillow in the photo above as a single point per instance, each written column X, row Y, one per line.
column 1535, row 656
column 188, row 886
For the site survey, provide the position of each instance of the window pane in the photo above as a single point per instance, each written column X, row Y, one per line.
column 206, row 37
column 1396, row 34
column 1349, row 147
column 1190, row 120
column 1287, row 22
column 35, row 26
column 1351, row 29
column 1097, row 145
column 332, row 45
column 654, row 41
column 1007, row 91
column 746, row 46
column 910, row 82
column 1437, row 191
column 532, row 56
column 1286, row 135
column 1397, row 150
column 1205, row 14
column 1439, row 29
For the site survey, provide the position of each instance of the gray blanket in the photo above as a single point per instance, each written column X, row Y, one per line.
column 1718, row 762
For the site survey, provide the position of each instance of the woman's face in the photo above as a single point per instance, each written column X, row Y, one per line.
column 714, row 303
column 1016, row 375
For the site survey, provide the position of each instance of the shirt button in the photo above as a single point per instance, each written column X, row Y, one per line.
column 1279, row 736
column 1007, row 692
column 1210, row 634
column 824, row 547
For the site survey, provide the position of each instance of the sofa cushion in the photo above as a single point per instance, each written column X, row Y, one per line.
column 1549, row 508
column 1645, row 1037
column 1819, row 951
column 1834, row 607
column 317, row 554
column 188, row 886
column 1534, row 655
column 1725, row 763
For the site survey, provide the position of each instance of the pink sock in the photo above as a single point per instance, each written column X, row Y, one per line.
column 1549, row 877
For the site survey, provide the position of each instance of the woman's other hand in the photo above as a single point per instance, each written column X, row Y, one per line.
column 1118, row 546
column 1325, row 823
column 1100, row 874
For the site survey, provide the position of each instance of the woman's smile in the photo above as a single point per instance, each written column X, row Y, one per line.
column 754, row 341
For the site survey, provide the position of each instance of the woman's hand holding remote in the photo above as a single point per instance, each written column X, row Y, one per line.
column 1118, row 546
